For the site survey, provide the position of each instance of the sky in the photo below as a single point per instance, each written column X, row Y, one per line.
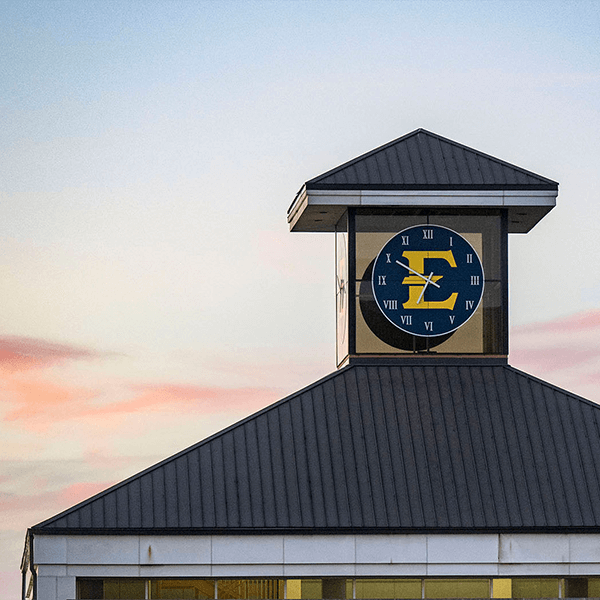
column 151, row 291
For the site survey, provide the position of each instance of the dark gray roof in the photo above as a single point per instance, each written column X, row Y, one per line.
column 377, row 448
column 422, row 160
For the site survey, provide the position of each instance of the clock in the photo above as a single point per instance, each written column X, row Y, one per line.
column 341, row 288
column 427, row 280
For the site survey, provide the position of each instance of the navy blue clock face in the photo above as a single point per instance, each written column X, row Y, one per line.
column 428, row 280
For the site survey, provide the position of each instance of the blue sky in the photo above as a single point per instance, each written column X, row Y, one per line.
column 151, row 291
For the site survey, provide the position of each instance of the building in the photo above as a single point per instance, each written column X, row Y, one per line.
column 424, row 467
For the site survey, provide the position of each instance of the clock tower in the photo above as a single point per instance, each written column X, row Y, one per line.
column 421, row 234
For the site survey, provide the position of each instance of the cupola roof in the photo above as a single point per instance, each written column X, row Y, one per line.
column 423, row 169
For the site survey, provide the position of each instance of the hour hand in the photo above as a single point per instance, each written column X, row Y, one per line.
column 425, row 287
column 427, row 279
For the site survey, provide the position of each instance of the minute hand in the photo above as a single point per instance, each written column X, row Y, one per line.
column 437, row 285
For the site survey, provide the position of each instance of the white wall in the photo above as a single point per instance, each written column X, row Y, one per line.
column 61, row 559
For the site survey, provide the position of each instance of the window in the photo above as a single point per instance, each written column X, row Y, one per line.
column 388, row 588
column 434, row 588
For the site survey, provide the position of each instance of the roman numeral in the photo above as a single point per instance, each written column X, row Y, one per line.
column 390, row 304
column 428, row 325
column 381, row 280
column 452, row 317
column 474, row 279
column 450, row 240
column 469, row 304
column 406, row 319
column 469, row 258
column 427, row 234
column 405, row 240
column 388, row 258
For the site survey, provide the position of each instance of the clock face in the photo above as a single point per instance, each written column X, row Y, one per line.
column 341, row 287
column 428, row 280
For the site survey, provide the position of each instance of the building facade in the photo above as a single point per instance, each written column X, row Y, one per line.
column 424, row 467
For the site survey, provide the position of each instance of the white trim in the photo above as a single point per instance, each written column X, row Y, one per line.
column 319, row 210
column 319, row 555
column 430, row 197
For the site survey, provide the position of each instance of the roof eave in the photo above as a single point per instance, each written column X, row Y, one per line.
column 172, row 531
column 318, row 207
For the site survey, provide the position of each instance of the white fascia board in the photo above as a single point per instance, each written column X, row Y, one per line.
column 371, row 555
column 499, row 198
column 507, row 548
column 314, row 210
column 298, row 207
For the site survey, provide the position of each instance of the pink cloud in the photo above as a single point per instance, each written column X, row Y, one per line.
column 67, row 496
column 551, row 358
column 583, row 321
column 199, row 399
column 564, row 351
column 36, row 399
column 22, row 353
column 76, row 492
column 36, row 404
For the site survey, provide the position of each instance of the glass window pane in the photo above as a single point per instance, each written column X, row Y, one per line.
column 294, row 589
column 349, row 588
column 308, row 589
column 181, row 589
column 334, row 587
column 485, row 333
column 593, row 587
column 90, row 589
column 251, row 589
column 535, row 588
column 124, row 589
column 457, row 588
column 502, row 588
column 575, row 587
column 388, row 588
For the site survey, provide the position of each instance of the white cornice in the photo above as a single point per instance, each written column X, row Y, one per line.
column 320, row 210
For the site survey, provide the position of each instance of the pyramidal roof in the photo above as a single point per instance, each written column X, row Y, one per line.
column 423, row 160
column 376, row 448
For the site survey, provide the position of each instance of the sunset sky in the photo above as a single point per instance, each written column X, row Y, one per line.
column 151, row 291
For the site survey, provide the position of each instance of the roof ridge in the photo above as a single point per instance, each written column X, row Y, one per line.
column 490, row 157
column 365, row 155
column 554, row 387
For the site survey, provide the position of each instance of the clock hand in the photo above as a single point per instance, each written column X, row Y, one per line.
column 437, row 285
column 425, row 286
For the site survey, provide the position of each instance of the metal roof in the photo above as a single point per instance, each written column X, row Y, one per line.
column 376, row 448
column 423, row 160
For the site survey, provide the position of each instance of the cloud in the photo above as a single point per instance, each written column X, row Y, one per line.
column 23, row 353
column 198, row 399
column 36, row 403
column 34, row 395
column 21, row 510
column 564, row 351
column 588, row 320
column 67, row 496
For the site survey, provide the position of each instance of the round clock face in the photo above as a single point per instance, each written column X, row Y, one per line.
column 428, row 280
